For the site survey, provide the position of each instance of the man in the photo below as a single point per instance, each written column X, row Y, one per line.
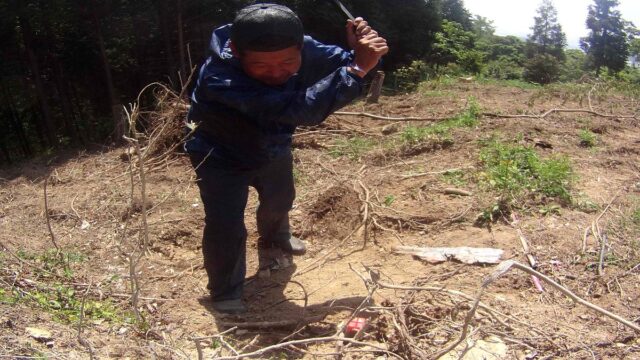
column 263, row 78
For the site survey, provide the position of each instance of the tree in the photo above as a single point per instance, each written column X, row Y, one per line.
column 574, row 66
column 454, row 10
column 547, row 36
column 455, row 45
column 606, row 44
column 634, row 51
column 483, row 28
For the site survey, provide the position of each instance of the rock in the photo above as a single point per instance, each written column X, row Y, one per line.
column 492, row 348
column 41, row 335
column 389, row 129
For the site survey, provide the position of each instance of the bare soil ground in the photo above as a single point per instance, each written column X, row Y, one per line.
column 338, row 178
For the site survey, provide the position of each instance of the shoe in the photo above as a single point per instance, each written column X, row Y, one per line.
column 293, row 246
column 233, row 306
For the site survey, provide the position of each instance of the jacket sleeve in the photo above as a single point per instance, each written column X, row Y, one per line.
column 325, row 58
column 307, row 105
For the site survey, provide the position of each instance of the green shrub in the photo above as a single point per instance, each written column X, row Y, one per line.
column 516, row 171
column 442, row 131
column 542, row 69
column 588, row 138
column 408, row 78
column 504, row 68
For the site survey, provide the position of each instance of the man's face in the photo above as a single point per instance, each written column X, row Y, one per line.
column 271, row 67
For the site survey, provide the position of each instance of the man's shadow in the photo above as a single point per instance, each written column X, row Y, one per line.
column 274, row 315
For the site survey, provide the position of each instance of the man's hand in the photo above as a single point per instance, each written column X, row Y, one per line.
column 368, row 46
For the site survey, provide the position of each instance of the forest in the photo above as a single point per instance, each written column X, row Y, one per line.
column 69, row 67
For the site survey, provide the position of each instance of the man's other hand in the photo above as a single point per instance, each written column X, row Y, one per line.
column 368, row 46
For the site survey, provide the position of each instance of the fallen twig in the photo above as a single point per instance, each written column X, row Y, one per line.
column 488, row 114
column 603, row 249
column 390, row 118
column 527, row 252
column 452, row 191
column 46, row 214
column 365, row 212
column 432, row 173
column 307, row 341
column 549, row 112
column 273, row 324
column 80, row 338
column 507, row 265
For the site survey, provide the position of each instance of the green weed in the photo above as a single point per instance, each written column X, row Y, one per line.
column 53, row 262
column 588, row 138
column 353, row 147
column 516, row 171
column 441, row 131
column 455, row 177
column 585, row 204
column 494, row 212
column 635, row 216
column 388, row 200
column 64, row 303
column 549, row 209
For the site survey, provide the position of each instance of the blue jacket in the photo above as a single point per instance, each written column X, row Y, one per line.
column 245, row 123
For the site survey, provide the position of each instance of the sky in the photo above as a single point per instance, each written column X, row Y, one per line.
column 515, row 17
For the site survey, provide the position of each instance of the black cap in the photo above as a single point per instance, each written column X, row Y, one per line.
column 266, row 27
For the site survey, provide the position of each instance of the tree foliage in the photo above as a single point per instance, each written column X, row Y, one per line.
column 606, row 45
column 542, row 69
column 547, row 36
column 454, row 45
column 454, row 10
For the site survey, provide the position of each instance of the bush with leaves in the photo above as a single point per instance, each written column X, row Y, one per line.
column 542, row 69
column 408, row 78
column 455, row 45
column 504, row 68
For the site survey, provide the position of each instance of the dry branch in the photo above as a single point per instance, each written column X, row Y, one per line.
column 273, row 324
column 46, row 214
column 551, row 111
column 452, row 191
column 505, row 266
column 390, row 118
column 374, row 347
column 487, row 114
column 84, row 342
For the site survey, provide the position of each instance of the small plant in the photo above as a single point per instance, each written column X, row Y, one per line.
column 494, row 212
column 353, row 147
column 388, row 200
column 635, row 216
column 64, row 304
column 52, row 261
column 441, row 132
column 516, row 171
column 455, row 177
column 585, row 205
column 550, row 209
column 588, row 138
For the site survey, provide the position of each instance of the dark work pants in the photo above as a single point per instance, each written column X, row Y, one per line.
column 224, row 194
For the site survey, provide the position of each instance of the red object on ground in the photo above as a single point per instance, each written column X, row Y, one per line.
column 354, row 326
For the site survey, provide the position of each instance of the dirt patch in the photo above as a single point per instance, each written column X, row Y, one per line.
column 334, row 214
